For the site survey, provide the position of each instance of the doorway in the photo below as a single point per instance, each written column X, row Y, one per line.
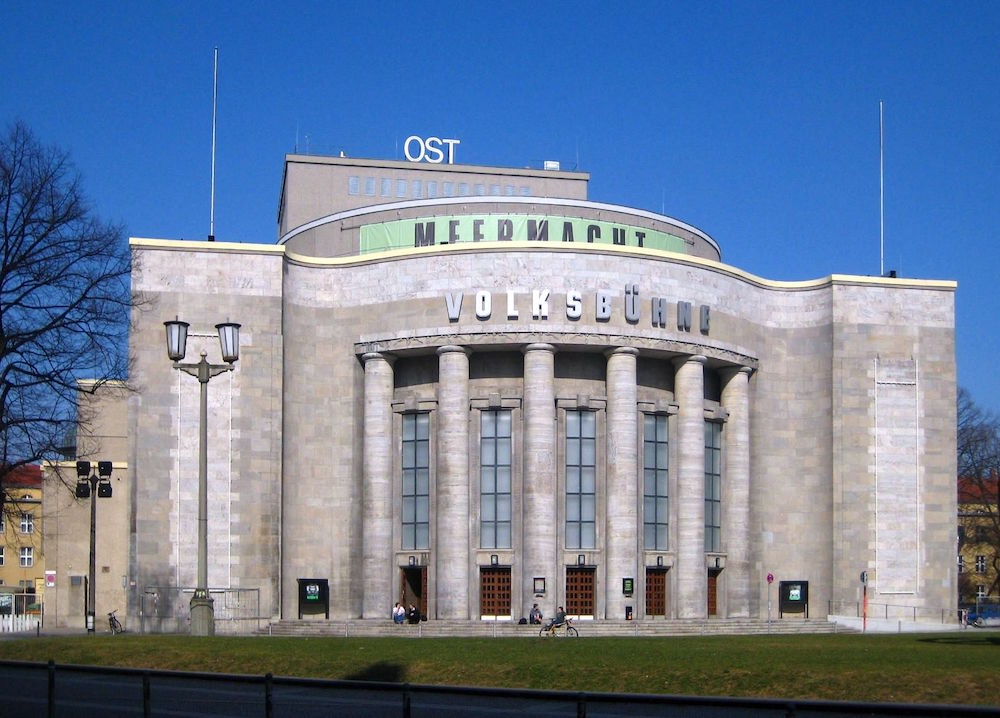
column 656, row 593
column 580, row 590
column 414, row 587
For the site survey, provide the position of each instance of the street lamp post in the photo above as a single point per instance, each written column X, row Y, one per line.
column 91, row 485
column 202, row 605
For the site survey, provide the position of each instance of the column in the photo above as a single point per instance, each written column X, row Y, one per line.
column 539, row 545
column 692, row 574
column 451, row 525
column 736, row 490
column 377, row 573
column 621, row 535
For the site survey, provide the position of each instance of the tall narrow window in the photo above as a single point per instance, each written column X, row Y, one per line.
column 416, row 481
column 655, row 503
column 713, row 486
column 27, row 557
column 581, row 479
column 494, row 479
column 27, row 523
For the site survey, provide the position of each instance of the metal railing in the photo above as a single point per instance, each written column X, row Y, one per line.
column 67, row 690
column 894, row 612
column 166, row 609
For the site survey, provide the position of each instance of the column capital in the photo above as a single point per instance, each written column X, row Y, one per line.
column 693, row 358
column 622, row 351
column 540, row 347
column 452, row 348
column 369, row 356
column 731, row 371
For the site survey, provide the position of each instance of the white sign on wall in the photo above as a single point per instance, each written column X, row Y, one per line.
column 430, row 149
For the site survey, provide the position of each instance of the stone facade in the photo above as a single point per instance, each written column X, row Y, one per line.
column 833, row 402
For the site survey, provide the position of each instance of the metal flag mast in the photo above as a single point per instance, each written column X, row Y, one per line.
column 881, row 196
column 215, row 93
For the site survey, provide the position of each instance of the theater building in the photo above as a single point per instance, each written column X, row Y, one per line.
column 474, row 389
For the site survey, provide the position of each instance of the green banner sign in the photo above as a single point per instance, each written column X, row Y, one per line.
column 467, row 229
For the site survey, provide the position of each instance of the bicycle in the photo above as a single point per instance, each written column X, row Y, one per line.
column 114, row 624
column 560, row 629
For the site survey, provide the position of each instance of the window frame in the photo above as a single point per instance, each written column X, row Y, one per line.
column 656, row 482
column 713, row 486
column 580, row 523
column 415, row 486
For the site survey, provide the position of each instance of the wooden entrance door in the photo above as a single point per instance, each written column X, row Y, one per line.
column 579, row 591
column 494, row 591
column 656, row 592
column 713, row 593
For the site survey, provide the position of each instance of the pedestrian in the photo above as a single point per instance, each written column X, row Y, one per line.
column 413, row 615
column 535, row 616
column 398, row 613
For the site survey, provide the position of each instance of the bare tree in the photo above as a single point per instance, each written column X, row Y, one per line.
column 64, row 300
column 978, row 495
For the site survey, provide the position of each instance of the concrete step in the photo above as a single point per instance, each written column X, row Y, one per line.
column 509, row 629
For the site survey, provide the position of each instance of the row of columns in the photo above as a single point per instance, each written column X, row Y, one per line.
column 538, row 549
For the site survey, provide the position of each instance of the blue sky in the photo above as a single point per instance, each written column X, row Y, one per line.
column 756, row 122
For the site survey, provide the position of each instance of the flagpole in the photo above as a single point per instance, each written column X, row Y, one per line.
column 215, row 94
column 881, row 195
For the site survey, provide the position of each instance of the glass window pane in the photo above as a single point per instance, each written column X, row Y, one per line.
column 588, row 452
column 409, row 509
column 648, row 427
column 503, row 451
column 588, row 423
column 487, row 480
column 662, row 483
column 573, row 453
column 489, row 423
column 572, row 480
column 423, row 481
column 503, row 535
column 649, row 536
column 503, row 507
column 423, row 453
column 423, row 508
column 423, row 426
column 662, row 507
column 409, row 483
column 503, row 423
column 572, row 508
column 661, row 536
column 572, row 423
column 487, row 507
column 662, row 457
column 572, row 535
column 423, row 536
column 649, row 510
column 588, row 536
column 489, row 451
column 649, row 482
column 587, row 507
column 503, row 479
column 588, row 480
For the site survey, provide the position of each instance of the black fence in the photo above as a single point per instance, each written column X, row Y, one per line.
column 39, row 689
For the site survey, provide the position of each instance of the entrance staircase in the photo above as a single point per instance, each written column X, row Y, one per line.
column 589, row 628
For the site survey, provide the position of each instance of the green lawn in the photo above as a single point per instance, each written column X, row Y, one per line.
column 953, row 668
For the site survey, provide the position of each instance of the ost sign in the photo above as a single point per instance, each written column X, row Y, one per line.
column 418, row 149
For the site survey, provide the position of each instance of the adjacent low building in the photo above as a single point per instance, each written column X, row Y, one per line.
column 474, row 389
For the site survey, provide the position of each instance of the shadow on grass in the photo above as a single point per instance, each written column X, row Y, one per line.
column 966, row 638
column 381, row 672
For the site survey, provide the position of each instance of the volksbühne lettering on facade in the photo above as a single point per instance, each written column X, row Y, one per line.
column 601, row 302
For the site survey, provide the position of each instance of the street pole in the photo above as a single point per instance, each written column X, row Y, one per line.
column 91, row 584
column 202, row 605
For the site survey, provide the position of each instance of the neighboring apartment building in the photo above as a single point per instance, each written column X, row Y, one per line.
column 978, row 540
column 67, row 518
column 22, row 562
